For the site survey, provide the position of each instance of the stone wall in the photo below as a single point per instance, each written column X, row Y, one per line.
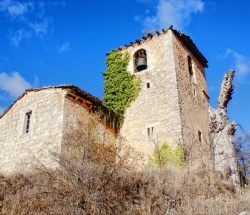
column 176, row 105
column 193, row 102
column 157, row 106
column 59, row 125
column 82, row 128
column 22, row 152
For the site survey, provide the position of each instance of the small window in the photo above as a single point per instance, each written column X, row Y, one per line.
column 200, row 136
column 194, row 92
column 148, row 85
column 150, row 131
column 140, row 60
column 27, row 121
column 190, row 66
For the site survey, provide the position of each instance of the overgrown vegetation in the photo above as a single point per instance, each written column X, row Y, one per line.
column 242, row 146
column 93, row 183
column 166, row 154
column 109, row 116
column 120, row 86
column 116, row 189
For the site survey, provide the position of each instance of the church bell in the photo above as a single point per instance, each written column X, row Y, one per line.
column 141, row 63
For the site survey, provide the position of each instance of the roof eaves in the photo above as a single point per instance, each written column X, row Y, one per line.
column 73, row 89
column 186, row 40
column 139, row 41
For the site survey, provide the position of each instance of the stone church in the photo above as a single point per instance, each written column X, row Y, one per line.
column 172, row 107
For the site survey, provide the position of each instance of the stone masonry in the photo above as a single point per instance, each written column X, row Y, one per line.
column 57, row 115
column 193, row 103
column 20, row 151
column 170, row 106
column 156, row 106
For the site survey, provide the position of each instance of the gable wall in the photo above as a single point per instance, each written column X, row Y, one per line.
column 81, row 128
column 21, row 152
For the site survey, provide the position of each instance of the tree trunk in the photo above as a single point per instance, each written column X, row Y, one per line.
column 222, row 133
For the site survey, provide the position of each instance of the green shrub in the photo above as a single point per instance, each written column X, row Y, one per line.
column 166, row 154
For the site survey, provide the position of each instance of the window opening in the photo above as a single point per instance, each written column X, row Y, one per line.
column 27, row 121
column 150, row 131
column 190, row 66
column 148, row 85
column 200, row 136
column 194, row 92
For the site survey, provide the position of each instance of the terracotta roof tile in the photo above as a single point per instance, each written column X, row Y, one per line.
column 75, row 90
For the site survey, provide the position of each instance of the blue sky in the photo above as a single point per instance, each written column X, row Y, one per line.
column 52, row 42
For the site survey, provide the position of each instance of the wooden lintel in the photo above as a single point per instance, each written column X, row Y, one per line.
column 87, row 102
column 71, row 95
column 80, row 100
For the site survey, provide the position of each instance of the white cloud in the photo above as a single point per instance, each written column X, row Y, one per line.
column 41, row 28
column 63, row 48
column 242, row 63
column 172, row 12
column 15, row 8
column 18, row 36
column 14, row 84
column 31, row 17
column 57, row 3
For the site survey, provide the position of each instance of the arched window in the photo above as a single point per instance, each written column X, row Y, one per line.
column 140, row 60
column 190, row 66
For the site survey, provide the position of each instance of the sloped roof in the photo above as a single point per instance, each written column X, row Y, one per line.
column 79, row 92
column 186, row 40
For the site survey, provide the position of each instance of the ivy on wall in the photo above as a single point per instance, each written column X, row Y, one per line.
column 120, row 86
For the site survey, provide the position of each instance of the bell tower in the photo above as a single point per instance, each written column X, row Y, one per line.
column 140, row 60
column 173, row 103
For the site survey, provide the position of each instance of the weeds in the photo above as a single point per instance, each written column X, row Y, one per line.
column 115, row 188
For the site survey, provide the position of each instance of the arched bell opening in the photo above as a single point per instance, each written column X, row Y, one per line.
column 140, row 60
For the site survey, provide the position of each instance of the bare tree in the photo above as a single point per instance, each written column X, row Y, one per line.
column 222, row 133
column 242, row 145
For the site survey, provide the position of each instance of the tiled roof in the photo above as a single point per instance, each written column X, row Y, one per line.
column 186, row 40
column 75, row 90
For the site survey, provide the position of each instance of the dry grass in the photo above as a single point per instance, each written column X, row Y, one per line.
column 101, row 189
column 97, row 186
